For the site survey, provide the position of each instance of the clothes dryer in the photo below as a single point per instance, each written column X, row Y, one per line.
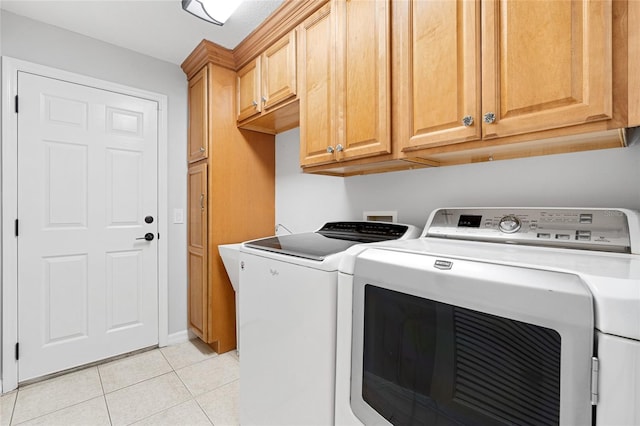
column 494, row 316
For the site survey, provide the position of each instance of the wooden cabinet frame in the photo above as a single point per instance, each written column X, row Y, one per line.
column 584, row 123
column 231, row 198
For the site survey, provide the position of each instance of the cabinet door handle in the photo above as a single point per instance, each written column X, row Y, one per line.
column 202, row 202
column 264, row 100
column 489, row 118
column 202, row 149
column 330, row 149
column 467, row 120
column 339, row 148
column 255, row 104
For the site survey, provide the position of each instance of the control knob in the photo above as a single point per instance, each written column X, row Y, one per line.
column 510, row 224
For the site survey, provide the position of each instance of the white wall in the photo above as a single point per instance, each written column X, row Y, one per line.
column 605, row 178
column 305, row 202
column 44, row 44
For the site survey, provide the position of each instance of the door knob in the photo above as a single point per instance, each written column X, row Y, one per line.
column 148, row 236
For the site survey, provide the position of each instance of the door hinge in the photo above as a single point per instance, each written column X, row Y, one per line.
column 17, row 351
column 158, row 235
column 17, row 228
column 595, row 368
column 16, row 104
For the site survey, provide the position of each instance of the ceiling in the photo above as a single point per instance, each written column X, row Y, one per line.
column 158, row 28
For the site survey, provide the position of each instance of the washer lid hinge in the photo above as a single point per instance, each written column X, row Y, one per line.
column 595, row 368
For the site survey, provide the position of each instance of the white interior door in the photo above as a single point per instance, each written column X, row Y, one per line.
column 87, row 179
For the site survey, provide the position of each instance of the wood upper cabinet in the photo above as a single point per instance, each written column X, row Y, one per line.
column 345, row 95
column 551, row 62
column 249, row 103
column 279, row 72
column 268, row 81
column 363, row 93
column 439, row 71
column 317, row 93
column 544, row 65
column 197, row 249
column 198, row 116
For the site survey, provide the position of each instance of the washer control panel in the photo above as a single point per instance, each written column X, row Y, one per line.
column 588, row 229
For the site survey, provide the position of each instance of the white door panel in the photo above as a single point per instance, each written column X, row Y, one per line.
column 87, row 178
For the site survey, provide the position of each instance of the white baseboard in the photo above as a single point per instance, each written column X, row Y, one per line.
column 177, row 338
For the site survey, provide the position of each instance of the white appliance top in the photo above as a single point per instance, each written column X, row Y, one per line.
column 323, row 248
column 608, row 263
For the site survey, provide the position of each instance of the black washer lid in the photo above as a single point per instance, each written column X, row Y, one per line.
column 333, row 237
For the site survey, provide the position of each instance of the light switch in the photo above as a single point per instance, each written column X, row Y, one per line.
column 178, row 216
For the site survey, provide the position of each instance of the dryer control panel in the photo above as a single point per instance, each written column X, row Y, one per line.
column 587, row 229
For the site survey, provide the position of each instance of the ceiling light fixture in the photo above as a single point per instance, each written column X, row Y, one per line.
column 214, row 11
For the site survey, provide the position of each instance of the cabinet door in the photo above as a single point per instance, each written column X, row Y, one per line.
column 545, row 64
column 197, row 249
column 439, row 72
column 278, row 65
column 363, row 84
column 249, row 103
column 316, row 70
column 198, row 116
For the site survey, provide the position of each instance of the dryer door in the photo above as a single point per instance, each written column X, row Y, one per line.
column 445, row 341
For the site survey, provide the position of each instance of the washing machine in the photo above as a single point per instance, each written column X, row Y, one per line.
column 495, row 316
column 288, row 320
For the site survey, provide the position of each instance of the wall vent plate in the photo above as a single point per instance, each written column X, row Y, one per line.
column 380, row 216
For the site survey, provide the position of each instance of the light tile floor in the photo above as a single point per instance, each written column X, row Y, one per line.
column 186, row 384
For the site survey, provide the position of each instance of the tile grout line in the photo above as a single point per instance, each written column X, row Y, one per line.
column 104, row 396
column 13, row 408
column 54, row 411
column 203, row 411
column 193, row 397
column 199, row 362
column 171, row 406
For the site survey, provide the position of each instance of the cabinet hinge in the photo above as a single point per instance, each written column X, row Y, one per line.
column 17, row 351
column 17, row 229
column 595, row 368
column 16, row 104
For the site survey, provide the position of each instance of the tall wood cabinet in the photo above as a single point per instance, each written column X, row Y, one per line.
column 231, row 191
